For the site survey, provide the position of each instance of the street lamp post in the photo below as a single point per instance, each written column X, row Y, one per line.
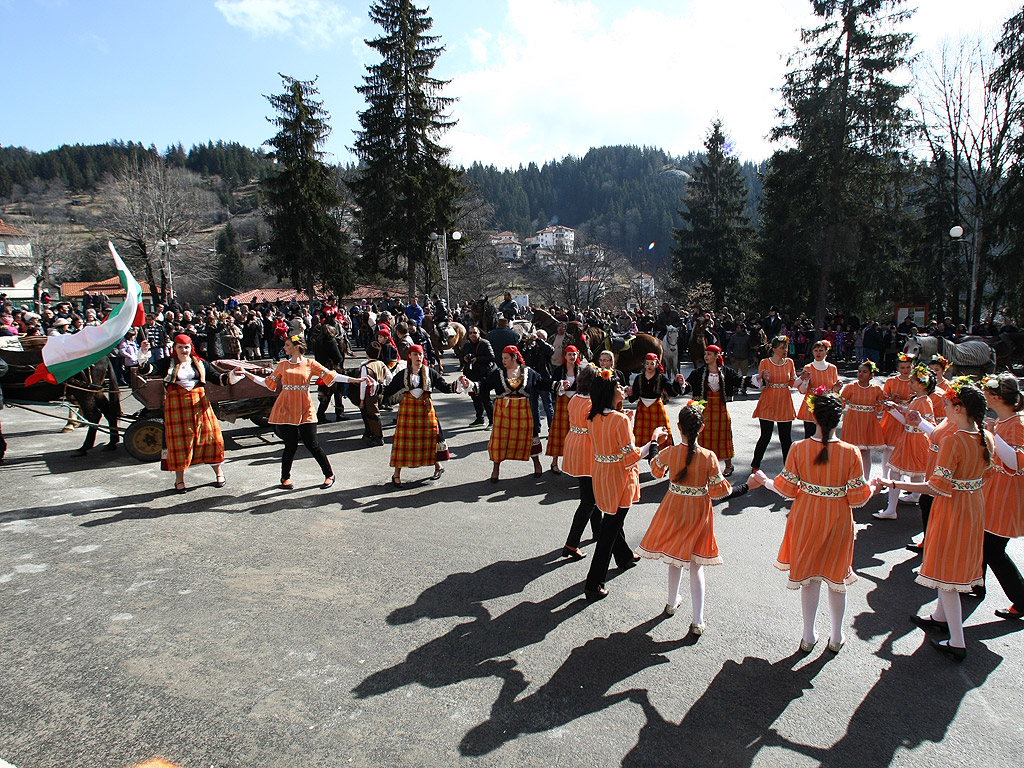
column 167, row 244
column 957, row 234
column 442, row 257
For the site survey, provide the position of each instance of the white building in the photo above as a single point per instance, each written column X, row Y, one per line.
column 557, row 238
column 17, row 267
column 508, row 246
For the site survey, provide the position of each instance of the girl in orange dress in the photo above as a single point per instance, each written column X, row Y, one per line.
column 616, row 476
column 936, row 434
column 910, row 455
column 774, row 377
column 825, row 479
column 1004, row 490
column 683, row 529
column 579, row 463
column 897, row 391
column 818, row 373
column 953, row 548
column 863, row 401
column 563, row 387
column 938, row 365
column 293, row 410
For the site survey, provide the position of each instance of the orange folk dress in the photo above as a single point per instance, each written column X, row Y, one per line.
column 560, row 420
column 683, row 528
column 860, row 421
column 818, row 543
column 939, row 400
column 910, row 456
column 578, row 453
column 616, row 475
column 953, row 552
column 294, row 405
column 776, row 400
column 899, row 390
column 1004, row 487
column 827, row 378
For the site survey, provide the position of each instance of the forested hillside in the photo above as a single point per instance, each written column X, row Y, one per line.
column 623, row 197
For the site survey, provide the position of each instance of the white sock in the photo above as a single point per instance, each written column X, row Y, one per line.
column 837, row 610
column 809, row 595
column 950, row 601
column 697, row 591
column 675, row 573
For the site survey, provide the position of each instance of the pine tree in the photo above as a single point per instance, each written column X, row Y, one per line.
column 405, row 189
column 842, row 111
column 715, row 246
column 231, row 271
column 303, row 205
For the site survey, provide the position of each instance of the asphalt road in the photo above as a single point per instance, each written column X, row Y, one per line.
column 437, row 624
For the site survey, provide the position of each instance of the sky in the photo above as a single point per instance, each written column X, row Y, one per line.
column 535, row 80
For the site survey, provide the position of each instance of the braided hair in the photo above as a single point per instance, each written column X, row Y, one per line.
column 691, row 420
column 974, row 403
column 602, row 393
column 828, row 409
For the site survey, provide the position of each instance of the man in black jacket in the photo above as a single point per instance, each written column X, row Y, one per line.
column 537, row 354
column 328, row 352
column 477, row 362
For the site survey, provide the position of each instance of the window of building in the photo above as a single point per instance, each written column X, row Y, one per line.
column 6, row 281
column 3, row 248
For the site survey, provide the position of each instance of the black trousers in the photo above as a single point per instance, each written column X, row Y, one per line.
column 291, row 435
column 586, row 511
column 326, row 394
column 785, row 440
column 610, row 543
column 482, row 404
column 1007, row 574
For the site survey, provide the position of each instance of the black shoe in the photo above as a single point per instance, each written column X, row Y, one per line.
column 631, row 564
column 340, row 417
column 476, row 423
column 573, row 554
column 1010, row 614
column 927, row 622
column 594, row 595
column 978, row 592
column 943, row 646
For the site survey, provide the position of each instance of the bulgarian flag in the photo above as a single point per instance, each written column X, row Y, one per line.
column 66, row 355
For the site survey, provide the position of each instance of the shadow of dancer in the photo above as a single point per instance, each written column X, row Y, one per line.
column 477, row 649
column 463, row 594
column 578, row 688
column 915, row 700
column 729, row 723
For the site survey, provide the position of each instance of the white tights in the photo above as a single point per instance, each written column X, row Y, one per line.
column 809, row 596
column 949, row 610
column 697, row 585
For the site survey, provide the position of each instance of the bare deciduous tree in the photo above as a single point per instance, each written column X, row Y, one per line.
column 154, row 203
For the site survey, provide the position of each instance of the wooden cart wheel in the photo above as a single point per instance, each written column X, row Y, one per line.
column 144, row 439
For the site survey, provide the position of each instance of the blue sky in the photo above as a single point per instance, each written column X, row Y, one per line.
column 536, row 79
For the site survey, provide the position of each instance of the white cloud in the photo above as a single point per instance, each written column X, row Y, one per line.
column 561, row 76
column 313, row 23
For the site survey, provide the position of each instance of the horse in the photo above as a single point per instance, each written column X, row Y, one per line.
column 94, row 391
column 698, row 342
column 452, row 341
column 971, row 356
column 485, row 314
column 591, row 341
column 670, row 343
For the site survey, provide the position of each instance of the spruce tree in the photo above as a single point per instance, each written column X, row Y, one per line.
column 405, row 189
column 231, row 268
column 841, row 205
column 303, row 205
column 715, row 246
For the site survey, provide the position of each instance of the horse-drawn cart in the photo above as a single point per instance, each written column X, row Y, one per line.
column 93, row 395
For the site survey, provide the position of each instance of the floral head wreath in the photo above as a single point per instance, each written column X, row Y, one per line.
column 813, row 399
column 955, row 387
column 605, row 373
column 780, row 339
column 991, row 382
column 903, row 357
column 294, row 339
column 824, row 343
column 871, row 365
column 923, row 374
column 939, row 360
column 698, row 404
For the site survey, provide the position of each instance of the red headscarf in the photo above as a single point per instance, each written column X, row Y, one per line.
column 718, row 353
column 382, row 330
column 652, row 356
column 181, row 338
column 566, row 351
column 513, row 350
column 416, row 348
